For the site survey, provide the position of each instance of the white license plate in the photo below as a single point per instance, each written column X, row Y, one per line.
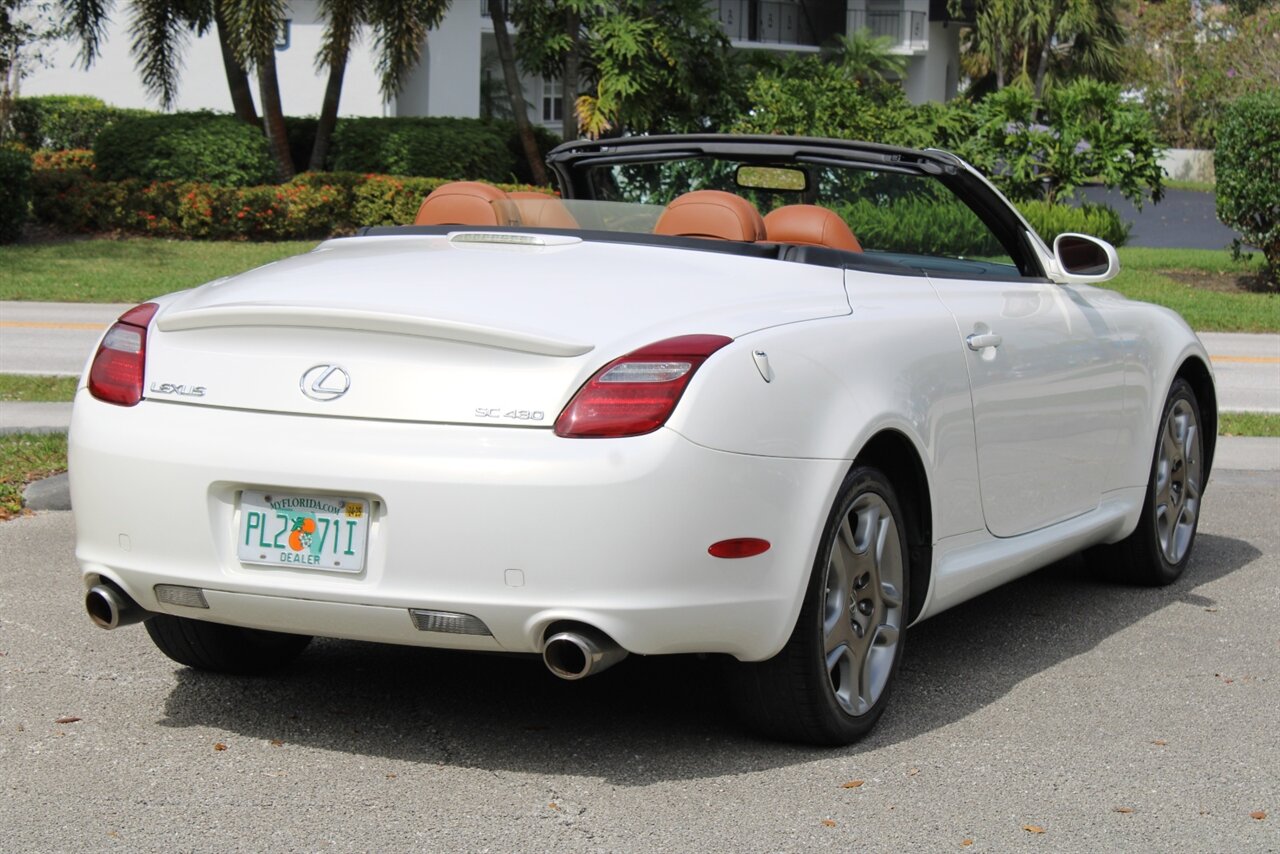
column 302, row 531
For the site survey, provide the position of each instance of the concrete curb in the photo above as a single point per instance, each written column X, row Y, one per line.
column 52, row 493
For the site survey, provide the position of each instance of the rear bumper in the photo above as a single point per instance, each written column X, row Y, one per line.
column 514, row 526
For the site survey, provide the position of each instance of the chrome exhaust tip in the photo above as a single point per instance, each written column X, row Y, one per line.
column 110, row 608
column 580, row 653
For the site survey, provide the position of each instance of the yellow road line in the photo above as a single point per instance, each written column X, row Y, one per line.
column 33, row 324
column 1252, row 360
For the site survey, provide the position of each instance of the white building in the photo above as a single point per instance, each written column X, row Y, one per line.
column 461, row 51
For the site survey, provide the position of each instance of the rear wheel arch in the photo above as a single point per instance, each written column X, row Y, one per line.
column 896, row 455
column 1197, row 375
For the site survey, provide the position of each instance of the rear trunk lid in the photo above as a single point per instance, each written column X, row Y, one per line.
column 433, row 329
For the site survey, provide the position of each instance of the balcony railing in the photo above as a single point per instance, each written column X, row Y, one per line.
column 906, row 29
column 765, row 21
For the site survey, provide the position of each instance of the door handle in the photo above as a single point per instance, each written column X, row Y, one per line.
column 982, row 341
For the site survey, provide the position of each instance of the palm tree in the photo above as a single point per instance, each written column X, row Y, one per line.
column 868, row 57
column 1030, row 42
column 246, row 32
column 159, row 32
column 256, row 23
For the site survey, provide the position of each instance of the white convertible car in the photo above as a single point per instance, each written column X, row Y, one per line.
column 703, row 401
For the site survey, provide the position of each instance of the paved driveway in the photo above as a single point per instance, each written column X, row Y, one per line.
column 1112, row 718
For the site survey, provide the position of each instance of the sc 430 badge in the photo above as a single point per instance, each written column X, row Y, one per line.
column 174, row 388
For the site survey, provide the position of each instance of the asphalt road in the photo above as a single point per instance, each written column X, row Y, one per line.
column 1183, row 219
column 51, row 337
column 1111, row 718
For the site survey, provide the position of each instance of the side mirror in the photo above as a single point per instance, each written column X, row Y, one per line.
column 1084, row 260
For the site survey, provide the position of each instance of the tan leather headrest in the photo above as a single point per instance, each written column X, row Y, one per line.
column 466, row 203
column 810, row 225
column 540, row 210
column 711, row 213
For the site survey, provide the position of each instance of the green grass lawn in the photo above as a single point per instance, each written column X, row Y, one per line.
column 1198, row 186
column 27, row 457
column 132, row 270
column 1145, row 274
column 1249, row 424
column 37, row 389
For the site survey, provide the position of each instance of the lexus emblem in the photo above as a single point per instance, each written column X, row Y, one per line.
column 325, row 382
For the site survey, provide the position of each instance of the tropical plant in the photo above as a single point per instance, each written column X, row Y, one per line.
column 630, row 65
column 1081, row 131
column 814, row 98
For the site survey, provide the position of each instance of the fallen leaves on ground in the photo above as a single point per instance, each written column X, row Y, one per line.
column 1258, row 814
column 1033, row 828
column 67, row 719
column 275, row 742
column 1125, row 810
column 1159, row 742
column 965, row 843
column 218, row 745
column 911, row 772
column 852, row 784
column 826, row 822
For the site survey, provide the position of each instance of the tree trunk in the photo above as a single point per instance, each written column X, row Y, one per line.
column 273, row 116
column 569, row 80
column 237, row 77
column 507, row 56
column 1042, row 65
column 998, row 56
column 328, row 118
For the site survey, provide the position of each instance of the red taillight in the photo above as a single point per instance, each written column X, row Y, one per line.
column 637, row 393
column 116, row 373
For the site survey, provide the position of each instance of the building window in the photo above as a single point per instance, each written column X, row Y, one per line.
column 552, row 101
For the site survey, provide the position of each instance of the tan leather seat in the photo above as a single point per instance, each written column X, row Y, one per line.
column 712, row 214
column 540, row 210
column 466, row 203
column 810, row 225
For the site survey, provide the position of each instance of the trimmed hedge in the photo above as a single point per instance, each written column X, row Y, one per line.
column 453, row 148
column 1247, row 162
column 64, row 121
column 929, row 227
column 15, row 191
column 219, row 149
column 312, row 205
column 1097, row 220
column 441, row 147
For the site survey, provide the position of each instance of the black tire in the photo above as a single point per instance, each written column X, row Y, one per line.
column 224, row 649
column 796, row 695
column 1156, row 554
